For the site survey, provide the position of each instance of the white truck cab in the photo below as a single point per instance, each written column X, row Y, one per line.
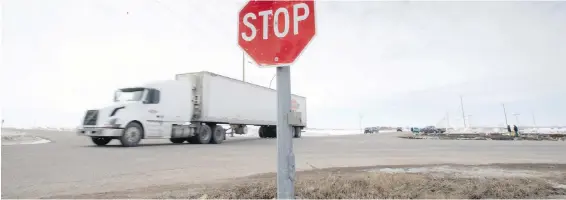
column 189, row 108
column 138, row 113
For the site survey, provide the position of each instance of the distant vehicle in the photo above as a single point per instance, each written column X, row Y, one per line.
column 432, row 129
column 189, row 108
column 371, row 130
column 399, row 129
column 415, row 130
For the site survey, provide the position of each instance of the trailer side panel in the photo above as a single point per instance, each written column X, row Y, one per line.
column 231, row 101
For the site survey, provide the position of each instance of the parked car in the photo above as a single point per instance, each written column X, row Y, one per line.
column 399, row 129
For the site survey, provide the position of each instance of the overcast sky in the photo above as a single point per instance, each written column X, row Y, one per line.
column 395, row 63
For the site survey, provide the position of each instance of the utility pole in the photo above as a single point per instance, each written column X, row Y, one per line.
column 361, row 117
column 447, row 122
column 534, row 121
column 463, row 114
column 505, row 113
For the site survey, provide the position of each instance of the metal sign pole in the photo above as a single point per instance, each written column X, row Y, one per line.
column 285, row 155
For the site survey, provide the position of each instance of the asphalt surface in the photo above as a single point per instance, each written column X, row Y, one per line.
column 72, row 165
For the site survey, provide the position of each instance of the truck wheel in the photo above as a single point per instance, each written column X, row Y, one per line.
column 298, row 131
column 218, row 135
column 101, row 141
column 177, row 140
column 204, row 134
column 132, row 135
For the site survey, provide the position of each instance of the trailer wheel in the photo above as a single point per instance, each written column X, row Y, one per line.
column 218, row 135
column 267, row 132
column 204, row 134
column 101, row 141
column 132, row 135
column 272, row 131
column 298, row 131
column 261, row 132
column 177, row 140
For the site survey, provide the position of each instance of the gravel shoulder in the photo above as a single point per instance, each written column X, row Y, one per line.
column 494, row 181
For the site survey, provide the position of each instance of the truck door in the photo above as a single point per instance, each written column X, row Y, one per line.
column 153, row 115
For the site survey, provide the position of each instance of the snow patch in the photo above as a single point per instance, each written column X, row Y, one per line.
column 38, row 141
column 504, row 130
column 312, row 132
column 43, row 128
column 253, row 132
column 19, row 137
column 466, row 172
column 330, row 132
column 545, row 130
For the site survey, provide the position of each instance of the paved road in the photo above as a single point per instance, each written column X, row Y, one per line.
column 72, row 165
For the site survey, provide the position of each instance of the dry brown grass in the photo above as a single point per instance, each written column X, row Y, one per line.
column 372, row 185
column 358, row 183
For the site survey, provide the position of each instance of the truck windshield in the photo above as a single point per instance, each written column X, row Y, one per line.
column 129, row 94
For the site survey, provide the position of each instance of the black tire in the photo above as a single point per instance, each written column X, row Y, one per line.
column 272, row 131
column 267, row 132
column 132, row 135
column 218, row 135
column 177, row 140
column 203, row 136
column 298, row 131
column 261, row 132
column 101, row 141
column 192, row 140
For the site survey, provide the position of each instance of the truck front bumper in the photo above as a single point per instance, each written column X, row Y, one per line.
column 100, row 132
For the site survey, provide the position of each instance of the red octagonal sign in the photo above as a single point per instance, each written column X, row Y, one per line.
column 274, row 33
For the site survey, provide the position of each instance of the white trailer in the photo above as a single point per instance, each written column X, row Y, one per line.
column 190, row 108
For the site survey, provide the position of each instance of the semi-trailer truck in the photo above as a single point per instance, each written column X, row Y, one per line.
column 191, row 108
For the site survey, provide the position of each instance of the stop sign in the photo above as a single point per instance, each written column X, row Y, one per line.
column 274, row 33
column 294, row 105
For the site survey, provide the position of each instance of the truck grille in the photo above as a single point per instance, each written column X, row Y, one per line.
column 90, row 117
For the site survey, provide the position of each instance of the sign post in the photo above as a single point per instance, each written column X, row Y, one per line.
column 273, row 34
column 285, row 155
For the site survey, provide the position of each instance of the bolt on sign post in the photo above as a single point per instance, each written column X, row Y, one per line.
column 273, row 34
